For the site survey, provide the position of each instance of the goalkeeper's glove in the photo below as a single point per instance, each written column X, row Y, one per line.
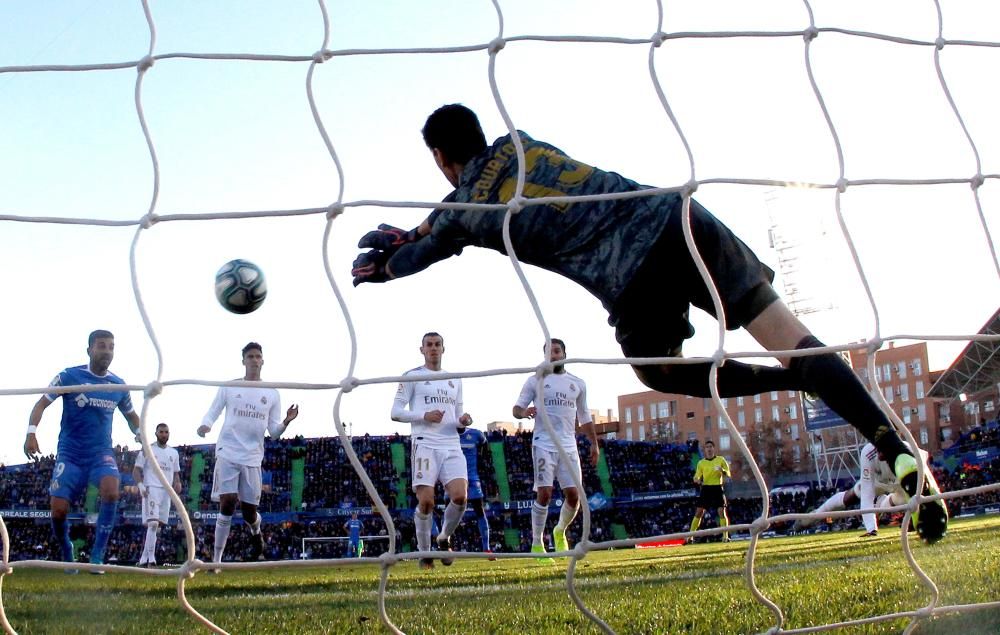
column 370, row 267
column 388, row 238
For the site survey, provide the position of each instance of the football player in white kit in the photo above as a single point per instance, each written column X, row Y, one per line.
column 156, row 498
column 565, row 401
column 434, row 409
column 876, row 488
column 250, row 413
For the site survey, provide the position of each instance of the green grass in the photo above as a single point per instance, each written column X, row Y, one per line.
column 694, row 589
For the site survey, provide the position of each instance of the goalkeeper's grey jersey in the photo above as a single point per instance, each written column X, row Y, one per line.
column 598, row 244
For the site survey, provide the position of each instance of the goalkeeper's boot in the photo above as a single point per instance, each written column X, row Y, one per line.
column 444, row 544
column 541, row 559
column 256, row 546
column 931, row 518
column 559, row 539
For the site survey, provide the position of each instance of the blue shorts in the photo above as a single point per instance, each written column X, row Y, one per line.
column 475, row 490
column 70, row 477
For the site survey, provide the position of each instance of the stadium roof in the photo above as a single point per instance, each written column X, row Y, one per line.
column 976, row 369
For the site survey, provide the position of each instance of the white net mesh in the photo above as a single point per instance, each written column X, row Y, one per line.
column 798, row 36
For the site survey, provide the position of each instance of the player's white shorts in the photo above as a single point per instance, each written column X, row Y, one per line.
column 233, row 478
column 549, row 467
column 430, row 465
column 880, row 488
column 156, row 505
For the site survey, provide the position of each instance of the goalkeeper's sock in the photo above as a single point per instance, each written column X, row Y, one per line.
column 839, row 387
column 222, row 526
column 566, row 516
column 107, row 514
column 60, row 528
column 539, row 515
column 695, row 523
column 484, row 532
column 422, row 526
column 452, row 516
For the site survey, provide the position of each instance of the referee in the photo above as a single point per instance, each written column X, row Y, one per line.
column 711, row 474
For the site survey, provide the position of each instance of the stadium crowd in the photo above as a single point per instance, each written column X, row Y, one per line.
column 636, row 473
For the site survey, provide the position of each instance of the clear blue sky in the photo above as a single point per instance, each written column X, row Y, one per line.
column 237, row 136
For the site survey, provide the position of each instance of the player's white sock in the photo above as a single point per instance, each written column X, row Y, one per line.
column 566, row 515
column 222, row 526
column 452, row 516
column 833, row 504
column 149, row 548
column 889, row 500
column 871, row 525
column 255, row 525
column 539, row 515
column 422, row 525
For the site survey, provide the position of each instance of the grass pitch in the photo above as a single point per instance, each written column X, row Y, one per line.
column 694, row 589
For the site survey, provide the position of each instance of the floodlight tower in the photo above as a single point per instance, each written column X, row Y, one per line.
column 798, row 238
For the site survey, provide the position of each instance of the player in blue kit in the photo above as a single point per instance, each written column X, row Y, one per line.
column 85, row 453
column 472, row 440
column 625, row 250
column 353, row 527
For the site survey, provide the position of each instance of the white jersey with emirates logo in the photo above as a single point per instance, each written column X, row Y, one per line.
column 565, row 399
column 168, row 460
column 250, row 412
column 414, row 398
column 876, row 475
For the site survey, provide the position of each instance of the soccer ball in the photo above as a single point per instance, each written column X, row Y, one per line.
column 240, row 286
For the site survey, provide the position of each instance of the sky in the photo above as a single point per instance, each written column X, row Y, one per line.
column 237, row 136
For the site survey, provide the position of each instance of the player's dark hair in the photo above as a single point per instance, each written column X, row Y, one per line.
column 251, row 346
column 431, row 334
column 98, row 335
column 556, row 340
column 709, row 442
column 455, row 131
column 161, row 425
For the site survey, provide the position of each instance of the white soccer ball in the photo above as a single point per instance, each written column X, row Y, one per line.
column 240, row 286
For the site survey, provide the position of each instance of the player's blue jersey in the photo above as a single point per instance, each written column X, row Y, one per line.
column 85, row 429
column 354, row 527
column 470, row 440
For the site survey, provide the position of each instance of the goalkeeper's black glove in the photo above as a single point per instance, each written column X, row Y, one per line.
column 370, row 267
column 388, row 238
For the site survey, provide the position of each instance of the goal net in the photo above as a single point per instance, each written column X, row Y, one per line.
column 160, row 141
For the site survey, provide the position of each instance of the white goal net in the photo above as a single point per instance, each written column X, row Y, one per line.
column 288, row 134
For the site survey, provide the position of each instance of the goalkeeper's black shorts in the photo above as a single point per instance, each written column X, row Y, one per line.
column 651, row 315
